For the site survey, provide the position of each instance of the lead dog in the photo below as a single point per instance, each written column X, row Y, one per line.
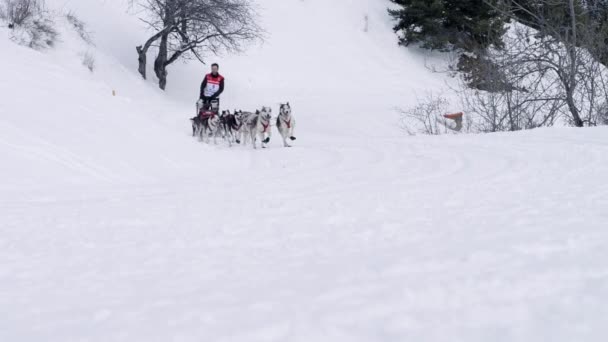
column 286, row 124
column 258, row 125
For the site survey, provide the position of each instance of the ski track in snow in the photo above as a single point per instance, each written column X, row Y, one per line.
column 451, row 236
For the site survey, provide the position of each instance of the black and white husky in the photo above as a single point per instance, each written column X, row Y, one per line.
column 230, row 126
column 258, row 126
column 211, row 127
column 206, row 123
column 197, row 126
column 286, row 124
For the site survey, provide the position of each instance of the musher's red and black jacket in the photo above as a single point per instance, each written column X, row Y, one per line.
column 212, row 86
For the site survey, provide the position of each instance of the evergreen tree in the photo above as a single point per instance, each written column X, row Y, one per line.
column 470, row 25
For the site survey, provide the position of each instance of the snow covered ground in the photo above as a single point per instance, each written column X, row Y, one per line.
column 115, row 225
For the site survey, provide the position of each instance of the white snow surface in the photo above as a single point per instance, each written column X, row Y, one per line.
column 116, row 225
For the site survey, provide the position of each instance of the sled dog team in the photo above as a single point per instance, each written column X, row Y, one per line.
column 240, row 126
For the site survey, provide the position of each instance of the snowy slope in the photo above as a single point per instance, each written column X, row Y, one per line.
column 116, row 226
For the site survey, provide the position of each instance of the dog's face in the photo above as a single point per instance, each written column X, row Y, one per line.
column 213, row 121
column 238, row 116
column 285, row 109
column 266, row 114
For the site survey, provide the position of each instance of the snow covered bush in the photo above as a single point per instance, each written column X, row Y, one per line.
column 32, row 24
column 17, row 12
column 80, row 27
column 41, row 33
column 426, row 116
column 88, row 60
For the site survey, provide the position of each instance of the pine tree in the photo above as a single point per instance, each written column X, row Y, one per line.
column 448, row 24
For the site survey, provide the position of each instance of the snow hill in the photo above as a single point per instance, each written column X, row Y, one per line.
column 115, row 225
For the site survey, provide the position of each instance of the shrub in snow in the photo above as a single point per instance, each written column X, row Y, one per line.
column 41, row 33
column 88, row 60
column 18, row 12
column 32, row 25
column 80, row 28
column 426, row 116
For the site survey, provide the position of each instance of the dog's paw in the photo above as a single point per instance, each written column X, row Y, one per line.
column 266, row 141
column 292, row 138
column 238, row 141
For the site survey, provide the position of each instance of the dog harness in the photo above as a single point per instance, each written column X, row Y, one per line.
column 288, row 123
column 265, row 126
column 206, row 115
column 236, row 127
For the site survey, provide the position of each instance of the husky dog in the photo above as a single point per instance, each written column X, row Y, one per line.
column 197, row 125
column 258, row 125
column 197, row 122
column 230, row 124
column 206, row 123
column 286, row 123
column 243, row 132
column 210, row 123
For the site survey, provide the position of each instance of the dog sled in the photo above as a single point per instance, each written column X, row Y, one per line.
column 205, row 123
column 240, row 126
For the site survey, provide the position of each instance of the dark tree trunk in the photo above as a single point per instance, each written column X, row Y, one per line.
column 143, row 50
column 142, row 59
column 578, row 122
column 576, row 117
column 160, row 64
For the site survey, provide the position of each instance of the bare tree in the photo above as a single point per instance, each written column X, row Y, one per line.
column 190, row 29
column 504, row 93
column 553, row 57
